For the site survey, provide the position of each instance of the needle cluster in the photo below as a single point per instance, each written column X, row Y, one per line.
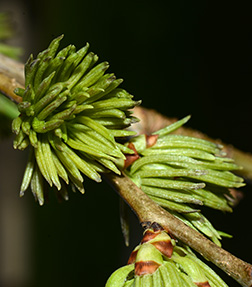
column 71, row 115
column 182, row 173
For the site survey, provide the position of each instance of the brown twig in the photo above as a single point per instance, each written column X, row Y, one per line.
column 148, row 210
column 11, row 76
column 12, row 68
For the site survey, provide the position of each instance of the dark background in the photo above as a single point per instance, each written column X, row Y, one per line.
column 180, row 58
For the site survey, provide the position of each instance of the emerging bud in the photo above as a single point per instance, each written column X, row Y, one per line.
column 71, row 116
column 149, row 266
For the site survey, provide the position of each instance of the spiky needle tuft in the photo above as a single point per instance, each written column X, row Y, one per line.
column 71, row 114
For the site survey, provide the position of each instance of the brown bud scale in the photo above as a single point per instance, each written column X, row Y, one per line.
column 202, row 284
column 130, row 158
column 146, row 267
column 132, row 257
column 165, row 247
column 151, row 140
column 149, row 235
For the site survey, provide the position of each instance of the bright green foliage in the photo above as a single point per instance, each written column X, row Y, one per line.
column 182, row 173
column 70, row 115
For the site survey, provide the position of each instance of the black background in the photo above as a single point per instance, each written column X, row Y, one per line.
column 180, row 58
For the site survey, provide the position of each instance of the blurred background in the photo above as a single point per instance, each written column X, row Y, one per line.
column 180, row 57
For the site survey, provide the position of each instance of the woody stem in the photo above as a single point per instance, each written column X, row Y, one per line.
column 148, row 210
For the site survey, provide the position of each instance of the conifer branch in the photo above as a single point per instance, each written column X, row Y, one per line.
column 11, row 77
column 151, row 120
column 147, row 210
